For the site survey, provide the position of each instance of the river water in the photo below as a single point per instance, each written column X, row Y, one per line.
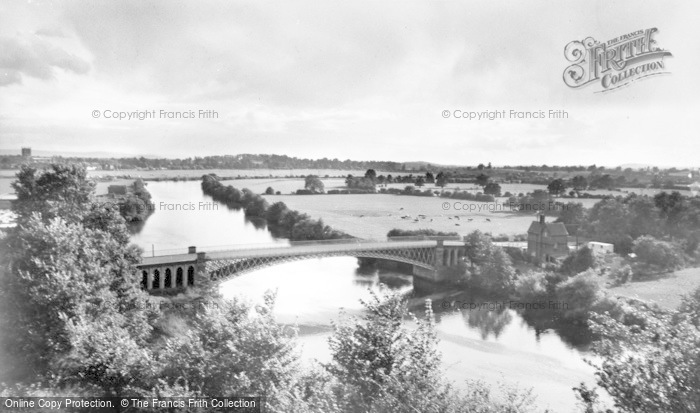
column 494, row 346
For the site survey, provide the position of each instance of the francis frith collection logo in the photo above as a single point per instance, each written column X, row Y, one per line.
column 615, row 63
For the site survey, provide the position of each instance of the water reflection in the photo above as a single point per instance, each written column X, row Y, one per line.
column 488, row 322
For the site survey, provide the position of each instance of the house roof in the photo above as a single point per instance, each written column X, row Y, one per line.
column 553, row 229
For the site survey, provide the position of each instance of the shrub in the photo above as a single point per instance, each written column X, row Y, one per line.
column 656, row 253
column 578, row 295
column 531, row 286
column 621, row 275
column 578, row 261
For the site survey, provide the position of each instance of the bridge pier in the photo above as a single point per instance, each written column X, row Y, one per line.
column 445, row 271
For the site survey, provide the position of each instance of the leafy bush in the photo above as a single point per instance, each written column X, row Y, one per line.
column 657, row 254
column 649, row 366
column 531, row 286
column 578, row 261
column 621, row 275
column 578, row 294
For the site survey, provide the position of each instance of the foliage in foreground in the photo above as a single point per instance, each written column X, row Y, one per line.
column 653, row 363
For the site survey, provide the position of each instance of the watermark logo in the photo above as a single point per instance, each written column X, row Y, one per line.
column 615, row 63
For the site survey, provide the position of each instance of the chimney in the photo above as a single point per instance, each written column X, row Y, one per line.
column 542, row 219
column 192, row 250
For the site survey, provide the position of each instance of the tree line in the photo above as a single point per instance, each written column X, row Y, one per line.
column 282, row 221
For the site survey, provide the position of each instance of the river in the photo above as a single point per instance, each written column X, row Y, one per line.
column 493, row 346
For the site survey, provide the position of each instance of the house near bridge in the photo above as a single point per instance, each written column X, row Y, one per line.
column 547, row 241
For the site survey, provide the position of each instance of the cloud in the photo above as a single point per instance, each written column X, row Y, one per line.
column 306, row 78
column 35, row 57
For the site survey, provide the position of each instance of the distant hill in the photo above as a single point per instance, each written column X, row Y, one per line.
column 74, row 154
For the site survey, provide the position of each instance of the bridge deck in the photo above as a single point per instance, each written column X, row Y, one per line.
column 271, row 250
column 168, row 259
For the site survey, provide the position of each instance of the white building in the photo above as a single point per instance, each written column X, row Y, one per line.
column 601, row 248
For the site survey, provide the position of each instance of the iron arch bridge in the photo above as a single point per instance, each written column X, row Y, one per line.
column 427, row 255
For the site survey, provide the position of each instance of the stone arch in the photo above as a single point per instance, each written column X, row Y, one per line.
column 190, row 275
column 178, row 277
column 168, row 278
column 155, row 284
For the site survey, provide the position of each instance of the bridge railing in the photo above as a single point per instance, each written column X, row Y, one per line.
column 330, row 241
column 172, row 252
column 425, row 238
column 249, row 246
column 285, row 244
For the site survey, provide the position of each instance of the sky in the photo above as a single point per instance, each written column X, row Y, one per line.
column 362, row 80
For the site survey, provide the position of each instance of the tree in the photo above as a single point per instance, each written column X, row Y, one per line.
column 106, row 352
column 608, row 221
column 133, row 209
column 644, row 219
column 480, row 167
column 578, row 261
column 579, row 183
column 672, row 207
column 314, row 184
column 429, row 177
column 59, row 268
column 572, row 215
column 230, row 348
column 381, row 362
column 657, row 254
column 492, row 188
column 60, row 190
column 557, row 187
column 269, row 191
column 580, row 292
column 441, row 180
column 602, row 182
column 497, row 273
column 478, row 247
column 420, row 181
column 371, row 174
column 482, row 180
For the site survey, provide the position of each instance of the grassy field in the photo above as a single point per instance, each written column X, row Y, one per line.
column 372, row 216
column 665, row 292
